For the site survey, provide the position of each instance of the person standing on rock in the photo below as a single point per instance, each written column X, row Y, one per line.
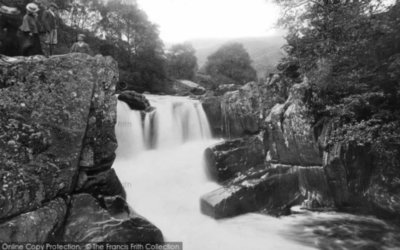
column 30, row 41
column 50, row 24
column 81, row 46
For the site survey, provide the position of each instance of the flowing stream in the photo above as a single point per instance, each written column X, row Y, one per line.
column 160, row 163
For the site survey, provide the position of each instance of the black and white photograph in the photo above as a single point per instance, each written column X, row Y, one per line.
column 199, row 124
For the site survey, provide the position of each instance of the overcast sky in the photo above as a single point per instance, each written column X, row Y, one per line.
column 181, row 20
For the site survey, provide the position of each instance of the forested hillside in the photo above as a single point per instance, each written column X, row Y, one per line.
column 265, row 52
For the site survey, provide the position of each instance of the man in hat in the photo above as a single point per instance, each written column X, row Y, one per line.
column 50, row 21
column 30, row 41
column 81, row 46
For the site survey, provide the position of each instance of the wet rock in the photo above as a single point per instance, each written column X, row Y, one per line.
column 314, row 186
column 227, row 159
column 89, row 222
column 243, row 110
column 134, row 100
column 223, row 88
column 45, row 109
column 212, row 108
column 289, row 136
column 274, row 192
column 100, row 131
column 104, row 183
column 116, row 206
column 38, row 226
column 186, row 87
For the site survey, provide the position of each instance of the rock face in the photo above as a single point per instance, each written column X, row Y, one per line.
column 89, row 222
column 240, row 112
column 286, row 152
column 229, row 158
column 50, row 110
column 134, row 100
column 289, row 133
column 103, row 183
column 315, row 172
column 57, row 118
column 212, row 108
column 36, row 226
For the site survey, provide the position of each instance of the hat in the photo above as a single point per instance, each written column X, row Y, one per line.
column 54, row 5
column 32, row 7
column 82, row 35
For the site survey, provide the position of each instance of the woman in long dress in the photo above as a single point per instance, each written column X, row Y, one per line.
column 30, row 43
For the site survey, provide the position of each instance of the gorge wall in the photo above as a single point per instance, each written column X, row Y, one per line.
column 57, row 141
column 296, row 164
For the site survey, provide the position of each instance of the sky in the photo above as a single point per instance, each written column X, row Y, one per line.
column 182, row 20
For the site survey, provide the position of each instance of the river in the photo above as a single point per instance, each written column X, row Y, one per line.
column 160, row 163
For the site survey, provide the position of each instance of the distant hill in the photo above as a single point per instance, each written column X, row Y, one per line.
column 264, row 51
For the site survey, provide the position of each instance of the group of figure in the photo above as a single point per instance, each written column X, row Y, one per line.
column 38, row 34
column 38, row 28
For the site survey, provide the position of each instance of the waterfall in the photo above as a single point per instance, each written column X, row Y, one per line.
column 174, row 121
column 160, row 163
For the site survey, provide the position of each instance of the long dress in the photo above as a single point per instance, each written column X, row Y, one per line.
column 29, row 36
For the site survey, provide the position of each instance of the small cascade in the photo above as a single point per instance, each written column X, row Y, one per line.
column 129, row 125
column 174, row 121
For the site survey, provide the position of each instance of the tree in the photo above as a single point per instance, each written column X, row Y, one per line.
column 350, row 50
column 232, row 61
column 182, row 61
column 121, row 29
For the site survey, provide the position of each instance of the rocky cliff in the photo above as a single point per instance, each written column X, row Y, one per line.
column 58, row 144
column 298, row 163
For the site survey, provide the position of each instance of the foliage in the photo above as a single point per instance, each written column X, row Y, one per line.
column 350, row 52
column 232, row 61
column 128, row 36
column 182, row 61
column 116, row 28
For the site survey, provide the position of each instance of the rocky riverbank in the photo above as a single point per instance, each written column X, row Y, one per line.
column 58, row 143
column 280, row 157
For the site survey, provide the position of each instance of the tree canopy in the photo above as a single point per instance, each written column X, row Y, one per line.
column 182, row 61
column 350, row 52
column 232, row 61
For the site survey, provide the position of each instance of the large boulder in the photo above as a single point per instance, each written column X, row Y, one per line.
column 289, row 134
column 134, row 100
column 272, row 190
column 243, row 110
column 186, row 87
column 89, row 222
column 38, row 226
column 50, row 110
column 227, row 159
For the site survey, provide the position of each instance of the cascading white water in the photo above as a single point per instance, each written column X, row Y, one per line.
column 160, row 163
column 171, row 123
